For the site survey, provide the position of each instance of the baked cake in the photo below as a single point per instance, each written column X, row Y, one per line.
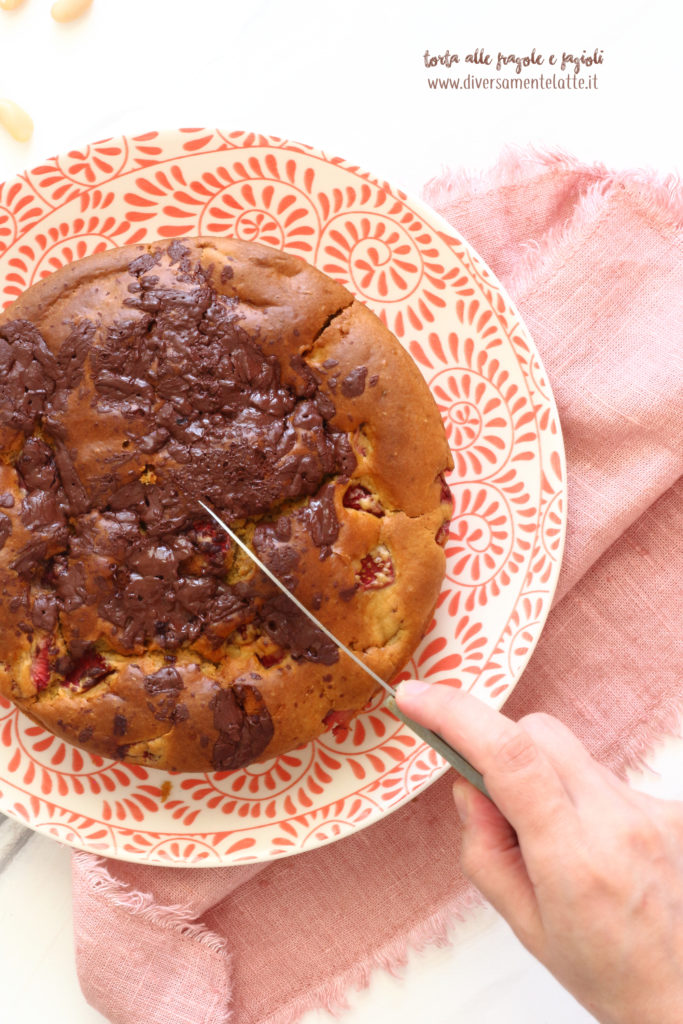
column 137, row 381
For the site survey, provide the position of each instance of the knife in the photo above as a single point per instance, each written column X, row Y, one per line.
column 449, row 754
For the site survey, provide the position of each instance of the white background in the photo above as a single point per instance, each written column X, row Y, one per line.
column 349, row 78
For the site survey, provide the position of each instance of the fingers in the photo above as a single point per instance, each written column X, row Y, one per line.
column 519, row 775
column 582, row 776
column 492, row 860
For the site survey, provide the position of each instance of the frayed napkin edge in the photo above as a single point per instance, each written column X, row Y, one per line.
column 179, row 918
column 517, row 165
column 636, row 750
column 393, row 957
column 659, row 197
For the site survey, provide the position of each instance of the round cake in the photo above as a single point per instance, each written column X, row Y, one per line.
column 139, row 381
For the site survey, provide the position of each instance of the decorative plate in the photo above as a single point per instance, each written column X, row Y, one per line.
column 506, row 536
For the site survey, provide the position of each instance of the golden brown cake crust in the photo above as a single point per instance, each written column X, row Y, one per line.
column 139, row 380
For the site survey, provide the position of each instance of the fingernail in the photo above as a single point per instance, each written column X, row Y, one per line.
column 411, row 688
column 461, row 801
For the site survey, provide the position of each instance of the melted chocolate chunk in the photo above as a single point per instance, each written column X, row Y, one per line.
column 320, row 517
column 177, row 251
column 243, row 723
column 144, row 262
column 164, row 686
column 44, row 507
column 181, row 713
column 5, row 529
column 307, row 384
column 31, row 560
column 163, row 681
column 68, row 577
column 36, row 466
column 45, row 611
column 72, row 355
column 272, row 549
column 120, row 726
column 353, row 384
column 291, row 629
column 28, row 371
column 76, row 498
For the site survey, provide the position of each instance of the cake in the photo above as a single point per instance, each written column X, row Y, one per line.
column 136, row 382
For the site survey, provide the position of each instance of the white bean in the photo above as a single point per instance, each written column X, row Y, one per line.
column 68, row 10
column 15, row 120
column 10, row 5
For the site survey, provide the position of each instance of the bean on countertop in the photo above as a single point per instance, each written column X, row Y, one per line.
column 69, row 10
column 15, row 119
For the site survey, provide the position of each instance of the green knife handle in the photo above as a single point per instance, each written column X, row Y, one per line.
column 454, row 759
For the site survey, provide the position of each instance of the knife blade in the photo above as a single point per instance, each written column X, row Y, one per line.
column 438, row 743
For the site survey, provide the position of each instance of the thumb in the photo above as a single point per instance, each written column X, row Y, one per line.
column 493, row 862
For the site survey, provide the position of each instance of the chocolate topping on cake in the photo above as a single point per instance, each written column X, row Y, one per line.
column 197, row 395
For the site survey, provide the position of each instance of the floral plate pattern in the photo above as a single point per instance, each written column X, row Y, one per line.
column 506, row 536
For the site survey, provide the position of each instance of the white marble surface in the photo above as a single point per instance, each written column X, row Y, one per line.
column 348, row 78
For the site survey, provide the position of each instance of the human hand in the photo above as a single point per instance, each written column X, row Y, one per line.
column 587, row 872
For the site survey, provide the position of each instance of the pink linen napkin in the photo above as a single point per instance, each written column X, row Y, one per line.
column 594, row 261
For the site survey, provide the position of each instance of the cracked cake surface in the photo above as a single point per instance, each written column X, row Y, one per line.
column 136, row 382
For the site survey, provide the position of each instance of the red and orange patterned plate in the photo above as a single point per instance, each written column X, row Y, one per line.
column 507, row 531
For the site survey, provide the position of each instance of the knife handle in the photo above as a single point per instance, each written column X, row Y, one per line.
column 454, row 759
